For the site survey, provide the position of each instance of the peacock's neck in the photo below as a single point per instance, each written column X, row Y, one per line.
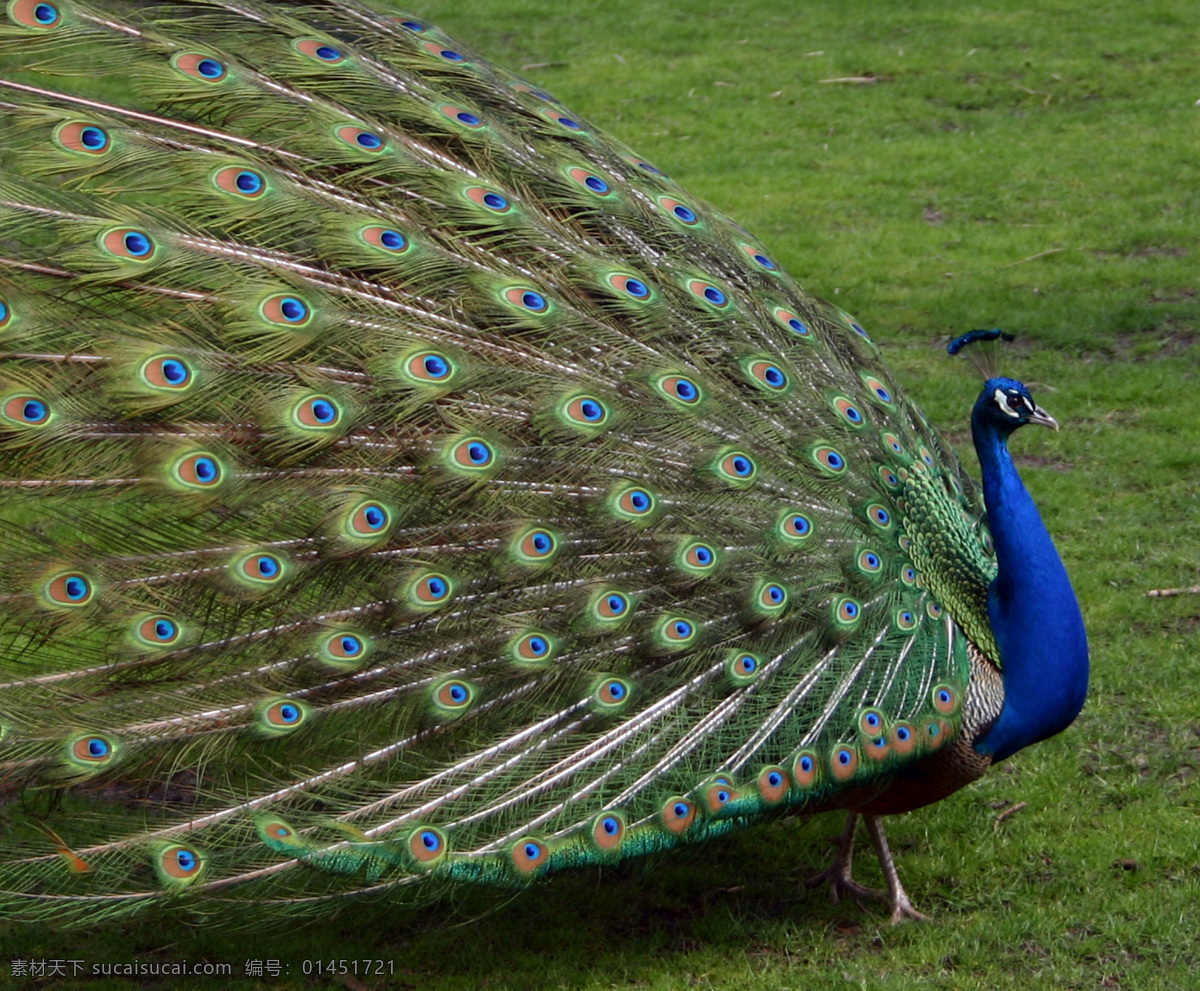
column 1032, row 608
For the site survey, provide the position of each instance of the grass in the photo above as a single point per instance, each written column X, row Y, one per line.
column 1017, row 165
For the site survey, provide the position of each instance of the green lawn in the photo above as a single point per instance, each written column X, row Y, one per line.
column 1029, row 166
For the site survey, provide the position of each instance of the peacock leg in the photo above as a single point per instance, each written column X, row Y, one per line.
column 839, row 874
column 902, row 908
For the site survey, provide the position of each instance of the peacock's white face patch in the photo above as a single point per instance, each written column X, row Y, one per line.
column 1012, row 403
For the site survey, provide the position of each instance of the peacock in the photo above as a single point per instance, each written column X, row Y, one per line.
column 404, row 485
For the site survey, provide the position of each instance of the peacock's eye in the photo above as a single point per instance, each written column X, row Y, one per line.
column 1014, row 400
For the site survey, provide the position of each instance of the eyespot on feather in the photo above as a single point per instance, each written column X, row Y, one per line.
column 880, row 393
column 454, row 695
column 680, row 389
column 766, row 375
column 847, row 611
column 742, row 667
column 631, row 286
column 166, row 372
column 848, row 411
column 590, row 181
column 805, row 769
column 536, row 546
column 634, row 503
column 902, row 737
column 459, row 115
column 83, row 137
column 679, row 212
column 472, row 454
column 283, row 716
column 612, row 694
column 197, row 470
column 286, row 310
column 794, row 527
column 489, row 199
column 843, row 762
column 128, row 243
column 608, row 831
column 534, row 648
column 445, row 54
column 430, row 590
column 260, row 568
column 177, row 863
column 771, row 598
column 563, row 120
column 156, row 631
column 27, row 410
column 586, row 412
column 760, row 258
column 737, row 468
column 529, row 300
column 829, row 459
column 343, row 649
column 611, row 606
column 773, row 784
column 708, row 292
column 677, row 814
column 529, row 854
column 36, row 14
column 237, row 180
column 430, row 368
column 68, row 590
column 945, row 699
column 369, row 519
column 92, row 749
column 427, row 845
column 319, row 51
column 385, row 239
column 319, row 413
column 792, row 323
column 361, row 139
column 197, row 65
column 698, row 558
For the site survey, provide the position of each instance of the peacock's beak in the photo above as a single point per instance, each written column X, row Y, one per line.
column 1039, row 415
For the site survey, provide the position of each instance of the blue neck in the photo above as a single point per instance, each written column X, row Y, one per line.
column 1031, row 605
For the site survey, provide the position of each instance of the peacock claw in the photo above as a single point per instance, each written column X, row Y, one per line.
column 839, row 874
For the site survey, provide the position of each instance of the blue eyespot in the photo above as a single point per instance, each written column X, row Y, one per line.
column 137, row 244
column 210, row 68
column 93, row 138
column 596, row 184
column 495, row 201
column 368, row 140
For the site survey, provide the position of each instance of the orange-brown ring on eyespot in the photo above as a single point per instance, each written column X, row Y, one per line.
column 945, row 699
column 349, row 133
column 335, row 644
column 169, row 861
column 871, row 722
column 278, row 830
column 226, row 180
column 728, row 467
column 188, row 63
column 908, row 575
column 759, row 370
column 765, row 599
column 277, row 714
column 415, row 366
column 670, row 629
column 114, row 243
column 272, row 309
column 926, row 455
column 700, row 289
column 877, row 747
column 620, row 281
column 843, row 762
column 605, row 610
column 608, row 830
column 830, row 458
column 575, row 413
column 844, row 406
column 252, row 568
column 670, row 386
column 82, row 750
column 308, row 47
column 24, row 12
column 670, row 205
column 524, row 648
column 148, row 631
column 805, row 768
column 529, row 854
column 876, row 387
column 934, row 610
column 889, row 477
column 936, row 732
column 428, row 594
column 479, row 194
column 792, row 528
column 529, row 546
column 153, row 374
column 70, row 136
column 462, row 454
column 791, row 322
column 455, row 694
column 59, row 589
column 15, row 410
column 626, row 502
column 893, row 443
column 419, row 844
column 869, row 561
column 560, row 118
column 374, row 237
column 693, row 553
column 186, row 470
column 452, row 111
column 772, row 784
column 718, row 795
column 903, row 737
column 306, row 413
column 746, row 665
column 581, row 176
column 360, row 523
column 518, row 297
column 677, row 814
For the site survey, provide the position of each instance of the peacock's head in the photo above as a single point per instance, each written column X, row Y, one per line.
column 1006, row 404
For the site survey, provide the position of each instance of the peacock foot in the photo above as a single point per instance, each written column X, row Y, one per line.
column 839, row 874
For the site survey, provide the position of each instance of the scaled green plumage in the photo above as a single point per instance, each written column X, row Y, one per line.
column 403, row 483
